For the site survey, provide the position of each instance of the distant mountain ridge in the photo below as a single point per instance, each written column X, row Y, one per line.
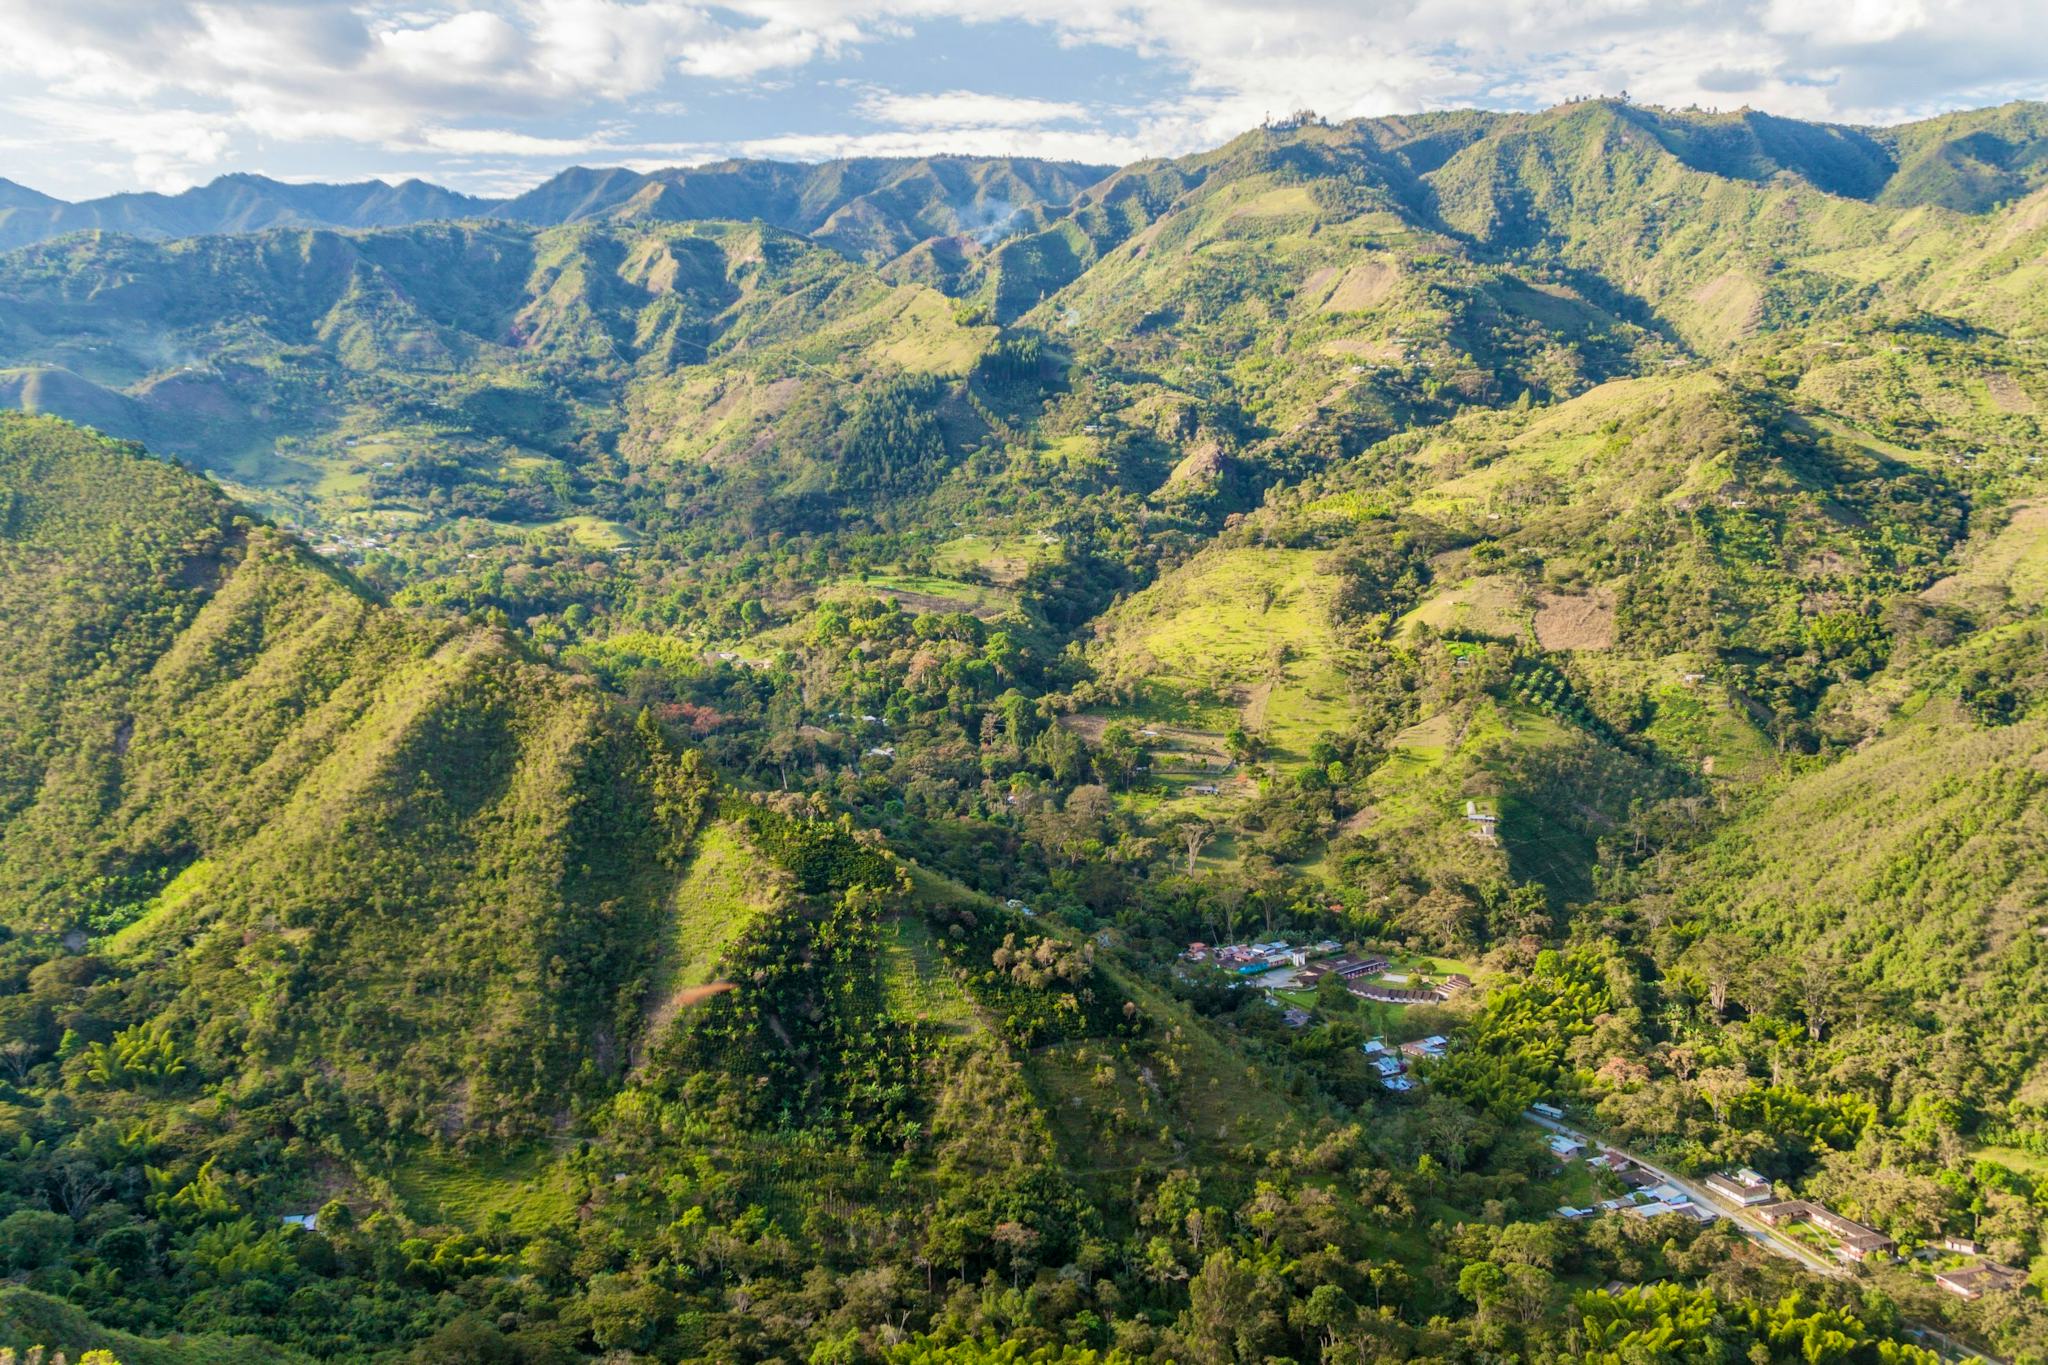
column 865, row 207
column 877, row 208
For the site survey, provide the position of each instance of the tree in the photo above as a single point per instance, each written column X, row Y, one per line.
column 1718, row 959
column 1720, row 1085
column 1219, row 1303
column 1194, row 837
column 33, row 1238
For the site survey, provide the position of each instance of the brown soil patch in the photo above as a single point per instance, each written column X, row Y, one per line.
column 1574, row 622
column 1365, row 286
column 1089, row 728
column 1255, row 707
column 2007, row 395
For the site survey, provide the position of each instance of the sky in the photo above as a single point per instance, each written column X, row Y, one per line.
column 493, row 96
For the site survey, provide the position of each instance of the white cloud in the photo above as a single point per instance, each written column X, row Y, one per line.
column 967, row 109
column 164, row 90
column 165, row 149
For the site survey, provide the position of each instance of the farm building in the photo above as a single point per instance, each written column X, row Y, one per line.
column 1985, row 1277
column 1854, row 1242
column 1742, row 1188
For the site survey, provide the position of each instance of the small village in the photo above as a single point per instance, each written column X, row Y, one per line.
column 1956, row 1264
column 1605, row 1180
column 1290, row 975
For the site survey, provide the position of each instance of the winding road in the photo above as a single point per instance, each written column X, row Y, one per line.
column 1769, row 1238
column 1742, row 1218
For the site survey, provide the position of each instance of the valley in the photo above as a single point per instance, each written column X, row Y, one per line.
column 688, row 765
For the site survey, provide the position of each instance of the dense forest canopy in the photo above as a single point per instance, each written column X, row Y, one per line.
column 769, row 764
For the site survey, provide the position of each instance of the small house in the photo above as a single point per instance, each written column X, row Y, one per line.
column 1398, row 1083
column 1453, row 985
column 1742, row 1188
column 1549, row 1111
column 1565, row 1148
column 1985, row 1277
column 1854, row 1242
column 1296, row 1017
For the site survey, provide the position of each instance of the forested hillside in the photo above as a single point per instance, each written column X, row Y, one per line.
column 985, row 759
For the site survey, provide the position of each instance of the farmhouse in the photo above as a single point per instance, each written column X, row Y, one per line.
column 1388, row 1066
column 1549, row 1111
column 1564, row 1148
column 1854, row 1242
column 1687, row 1209
column 1742, row 1188
column 1354, row 968
column 1985, row 1277
column 1433, row 1046
column 1390, row 995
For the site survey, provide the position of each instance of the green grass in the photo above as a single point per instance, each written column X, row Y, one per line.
column 725, row 890
column 1000, row 559
column 533, row 1189
column 594, row 532
column 1243, row 631
column 916, row 983
column 2010, row 565
column 181, row 888
column 923, row 592
column 2015, row 1159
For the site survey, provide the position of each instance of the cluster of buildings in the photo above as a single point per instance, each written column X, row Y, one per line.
column 1278, row 964
column 1254, row 959
column 1371, row 978
column 1649, row 1194
column 1855, row 1242
column 1392, row 1063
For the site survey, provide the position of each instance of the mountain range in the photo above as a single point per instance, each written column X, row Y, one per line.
column 656, row 770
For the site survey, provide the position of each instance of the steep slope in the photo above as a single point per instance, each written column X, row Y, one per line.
column 479, row 367
column 1908, row 877
column 291, row 798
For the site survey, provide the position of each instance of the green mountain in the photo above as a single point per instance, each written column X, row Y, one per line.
column 232, row 203
column 670, row 765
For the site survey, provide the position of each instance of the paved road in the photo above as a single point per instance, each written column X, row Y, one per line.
column 1769, row 1238
column 1742, row 1218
